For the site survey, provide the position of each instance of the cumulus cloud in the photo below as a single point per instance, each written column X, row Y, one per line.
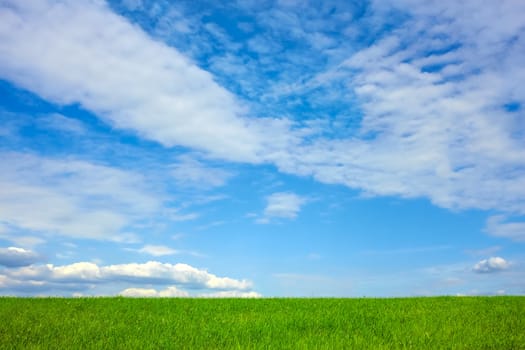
column 173, row 291
column 169, row 292
column 493, row 264
column 139, row 292
column 231, row 294
column 16, row 257
column 285, row 205
column 83, row 274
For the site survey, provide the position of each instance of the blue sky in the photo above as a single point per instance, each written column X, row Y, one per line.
column 262, row 148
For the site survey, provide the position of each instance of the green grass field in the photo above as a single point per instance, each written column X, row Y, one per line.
column 122, row 323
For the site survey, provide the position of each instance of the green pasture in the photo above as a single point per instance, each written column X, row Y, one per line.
column 125, row 323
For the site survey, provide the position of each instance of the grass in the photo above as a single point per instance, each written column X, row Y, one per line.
column 122, row 323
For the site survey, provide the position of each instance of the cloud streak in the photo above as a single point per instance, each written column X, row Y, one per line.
column 501, row 226
column 157, row 250
column 99, row 63
column 85, row 275
column 72, row 198
column 430, row 96
column 283, row 205
column 173, row 291
column 190, row 172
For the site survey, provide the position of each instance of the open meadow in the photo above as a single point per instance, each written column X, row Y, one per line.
column 166, row 323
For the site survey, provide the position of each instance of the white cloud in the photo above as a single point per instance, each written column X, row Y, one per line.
column 282, row 205
column 132, row 4
column 18, row 239
column 175, row 215
column 99, row 62
column 125, row 237
column 157, row 250
column 71, row 198
column 493, row 264
column 231, row 294
column 169, row 292
column 432, row 92
column 146, row 273
column 173, row 291
column 440, row 133
column 191, row 172
column 86, row 276
column 179, row 273
column 500, row 226
column 139, row 292
column 447, row 279
column 16, row 257
column 22, row 240
column 60, row 122
column 263, row 45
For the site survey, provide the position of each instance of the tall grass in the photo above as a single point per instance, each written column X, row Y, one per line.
column 122, row 323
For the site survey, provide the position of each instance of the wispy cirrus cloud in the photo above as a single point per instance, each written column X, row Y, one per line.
column 62, row 123
column 503, row 226
column 284, row 205
column 157, row 250
column 428, row 100
column 433, row 97
column 71, row 198
column 21, row 240
column 190, row 172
